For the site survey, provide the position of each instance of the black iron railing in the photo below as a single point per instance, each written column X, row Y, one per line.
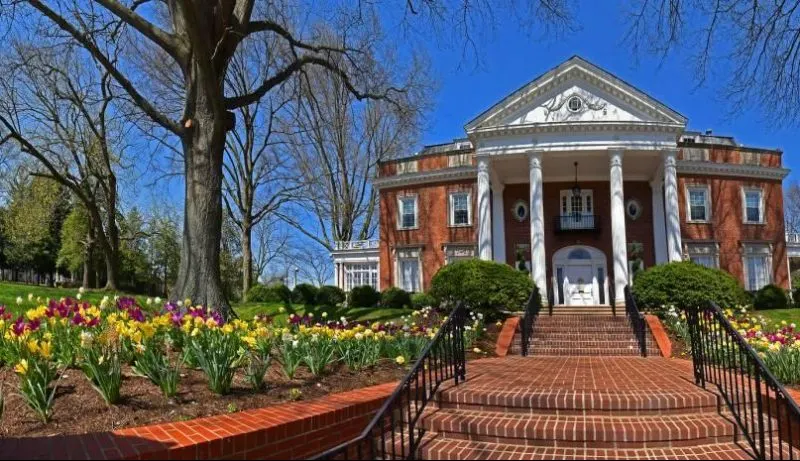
column 767, row 416
column 577, row 222
column 395, row 431
column 532, row 309
column 636, row 320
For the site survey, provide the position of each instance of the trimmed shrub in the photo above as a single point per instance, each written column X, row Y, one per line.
column 305, row 293
column 770, row 297
column 282, row 293
column 486, row 286
column 395, row 298
column 685, row 284
column 330, row 296
column 261, row 294
column 364, row 296
column 420, row 300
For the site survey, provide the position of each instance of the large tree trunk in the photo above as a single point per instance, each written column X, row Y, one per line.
column 112, row 260
column 199, row 273
column 247, row 258
column 88, row 257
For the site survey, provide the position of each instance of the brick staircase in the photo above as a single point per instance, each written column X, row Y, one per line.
column 579, row 408
column 584, row 331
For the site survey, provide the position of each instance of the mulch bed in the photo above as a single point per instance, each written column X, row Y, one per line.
column 79, row 409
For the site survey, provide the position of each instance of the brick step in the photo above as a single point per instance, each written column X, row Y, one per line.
column 583, row 311
column 579, row 402
column 563, row 336
column 442, row 448
column 581, row 330
column 583, row 431
column 587, row 352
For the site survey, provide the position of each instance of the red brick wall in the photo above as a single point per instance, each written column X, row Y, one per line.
column 433, row 230
column 731, row 154
column 727, row 226
column 296, row 430
column 425, row 162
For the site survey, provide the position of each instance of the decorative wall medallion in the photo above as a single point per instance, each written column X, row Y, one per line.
column 633, row 209
column 520, row 210
column 575, row 103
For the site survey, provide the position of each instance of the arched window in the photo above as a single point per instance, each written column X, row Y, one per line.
column 579, row 253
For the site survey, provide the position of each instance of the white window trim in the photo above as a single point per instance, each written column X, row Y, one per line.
column 451, row 206
column 713, row 253
column 707, row 189
column 746, row 254
column 398, row 256
column 762, row 211
column 450, row 248
column 400, row 211
column 567, row 193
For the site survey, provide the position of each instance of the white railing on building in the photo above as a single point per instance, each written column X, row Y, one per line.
column 354, row 245
column 793, row 238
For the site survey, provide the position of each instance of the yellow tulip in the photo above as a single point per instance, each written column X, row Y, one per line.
column 22, row 367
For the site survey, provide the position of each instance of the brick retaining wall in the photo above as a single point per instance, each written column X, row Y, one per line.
column 294, row 430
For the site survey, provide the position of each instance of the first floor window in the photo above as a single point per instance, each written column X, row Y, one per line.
column 703, row 254
column 458, row 252
column 698, row 204
column 360, row 274
column 752, row 206
column 409, row 274
column 408, row 212
column 757, row 266
column 459, row 209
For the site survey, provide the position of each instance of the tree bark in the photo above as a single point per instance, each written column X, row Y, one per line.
column 203, row 145
column 247, row 258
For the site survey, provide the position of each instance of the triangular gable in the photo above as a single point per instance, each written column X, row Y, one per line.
column 604, row 97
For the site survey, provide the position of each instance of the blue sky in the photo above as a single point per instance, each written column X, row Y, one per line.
column 513, row 57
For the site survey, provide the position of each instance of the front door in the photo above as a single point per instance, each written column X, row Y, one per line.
column 579, row 285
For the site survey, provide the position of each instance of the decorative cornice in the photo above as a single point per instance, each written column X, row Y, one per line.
column 410, row 179
column 731, row 169
column 566, row 127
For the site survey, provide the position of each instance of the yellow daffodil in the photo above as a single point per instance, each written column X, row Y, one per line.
column 22, row 367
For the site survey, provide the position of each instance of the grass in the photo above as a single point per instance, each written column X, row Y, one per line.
column 9, row 291
column 359, row 314
column 774, row 316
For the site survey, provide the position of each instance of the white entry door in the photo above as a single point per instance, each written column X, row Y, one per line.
column 579, row 285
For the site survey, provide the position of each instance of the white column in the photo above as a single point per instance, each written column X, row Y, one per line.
column 498, row 223
column 484, row 211
column 659, row 231
column 618, row 239
column 673, row 224
column 538, row 259
column 336, row 275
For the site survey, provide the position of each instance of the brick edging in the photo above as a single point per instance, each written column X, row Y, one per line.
column 660, row 335
column 294, row 430
column 506, row 337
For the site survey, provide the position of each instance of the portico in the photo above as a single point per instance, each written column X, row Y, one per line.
column 577, row 137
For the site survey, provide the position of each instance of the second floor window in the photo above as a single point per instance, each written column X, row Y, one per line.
column 408, row 212
column 459, row 209
column 752, row 206
column 698, row 204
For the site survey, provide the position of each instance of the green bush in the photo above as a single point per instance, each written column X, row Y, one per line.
column 485, row 286
column 420, row 300
column 686, row 284
column 395, row 298
column 305, row 294
column 770, row 297
column 364, row 296
column 261, row 294
column 330, row 296
column 282, row 293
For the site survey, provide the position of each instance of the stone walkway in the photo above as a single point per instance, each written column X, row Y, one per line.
column 580, row 408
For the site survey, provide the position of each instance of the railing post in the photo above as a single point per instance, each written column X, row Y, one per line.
column 698, row 364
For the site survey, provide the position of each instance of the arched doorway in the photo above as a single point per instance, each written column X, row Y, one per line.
column 579, row 276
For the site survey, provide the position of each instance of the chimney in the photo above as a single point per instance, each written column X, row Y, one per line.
column 708, row 132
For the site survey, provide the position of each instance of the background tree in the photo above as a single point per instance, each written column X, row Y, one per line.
column 165, row 252
column 59, row 110
column 77, row 246
column 752, row 46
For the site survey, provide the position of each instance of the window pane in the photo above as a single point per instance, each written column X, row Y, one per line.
column 707, row 261
column 697, row 204
column 757, row 272
column 753, row 206
column 408, row 212
column 409, row 274
column 460, row 209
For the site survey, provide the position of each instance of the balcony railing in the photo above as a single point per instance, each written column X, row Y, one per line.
column 792, row 237
column 355, row 245
column 577, row 222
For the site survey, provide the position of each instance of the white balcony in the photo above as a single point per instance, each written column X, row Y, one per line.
column 793, row 238
column 356, row 245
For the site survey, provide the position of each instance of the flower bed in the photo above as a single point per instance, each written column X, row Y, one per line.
column 777, row 344
column 82, row 368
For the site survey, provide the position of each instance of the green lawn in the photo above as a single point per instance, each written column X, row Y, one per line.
column 778, row 315
column 248, row 310
column 9, row 292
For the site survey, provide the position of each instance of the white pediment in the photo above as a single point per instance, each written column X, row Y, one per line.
column 576, row 92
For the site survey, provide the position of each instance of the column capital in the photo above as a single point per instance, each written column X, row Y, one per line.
column 535, row 158
column 615, row 157
column 670, row 156
column 483, row 165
